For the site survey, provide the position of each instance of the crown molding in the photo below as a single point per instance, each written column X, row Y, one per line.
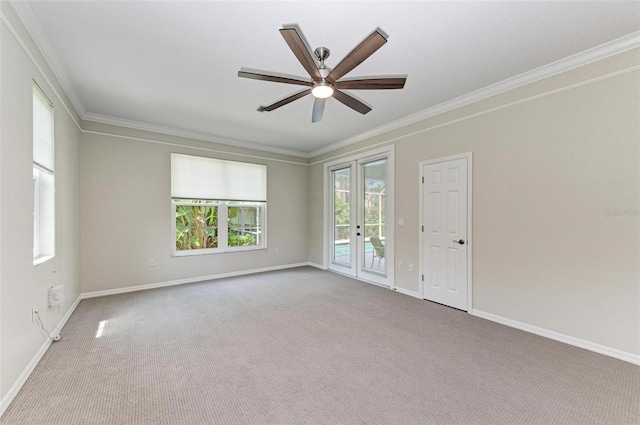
column 603, row 51
column 36, row 64
column 138, row 125
column 31, row 24
column 614, row 47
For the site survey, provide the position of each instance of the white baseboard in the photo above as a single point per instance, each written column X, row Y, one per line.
column 13, row 391
column 124, row 290
column 577, row 342
column 414, row 294
column 316, row 265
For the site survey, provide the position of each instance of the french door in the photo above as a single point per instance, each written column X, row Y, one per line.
column 361, row 221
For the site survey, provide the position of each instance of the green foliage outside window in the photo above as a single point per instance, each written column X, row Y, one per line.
column 196, row 226
column 342, row 217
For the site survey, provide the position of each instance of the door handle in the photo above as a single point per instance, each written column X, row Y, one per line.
column 358, row 234
column 461, row 241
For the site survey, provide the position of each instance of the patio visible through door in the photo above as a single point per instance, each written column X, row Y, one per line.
column 360, row 245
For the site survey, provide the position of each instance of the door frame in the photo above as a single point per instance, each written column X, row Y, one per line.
column 469, row 158
column 387, row 151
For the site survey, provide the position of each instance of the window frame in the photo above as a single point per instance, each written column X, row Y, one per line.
column 262, row 206
column 44, row 193
column 223, row 226
column 36, row 212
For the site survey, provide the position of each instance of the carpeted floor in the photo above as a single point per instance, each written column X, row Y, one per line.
column 304, row 346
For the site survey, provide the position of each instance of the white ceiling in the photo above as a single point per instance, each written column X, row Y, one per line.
column 174, row 64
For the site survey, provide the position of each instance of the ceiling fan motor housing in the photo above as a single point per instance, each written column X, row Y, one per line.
column 322, row 53
column 322, row 89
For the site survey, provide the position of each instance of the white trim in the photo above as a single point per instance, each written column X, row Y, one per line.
column 556, row 336
column 414, row 294
column 136, row 288
column 586, row 57
column 316, row 265
column 26, row 50
column 483, row 112
column 198, row 148
column 577, row 60
column 13, row 391
column 360, row 279
column 329, row 216
column 24, row 13
column 138, row 125
column 66, row 317
column 355, row 161
column 326, row 200
column 40, row 260
column 421, row 269
column 31, row 24
column 368, row 152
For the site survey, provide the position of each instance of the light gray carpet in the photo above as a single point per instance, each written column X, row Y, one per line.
column 304, row 346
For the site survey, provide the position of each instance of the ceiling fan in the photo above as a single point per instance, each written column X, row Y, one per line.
column 325, row 82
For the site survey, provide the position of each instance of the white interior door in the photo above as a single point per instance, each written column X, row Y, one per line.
column 361, row 199
column 445, row 247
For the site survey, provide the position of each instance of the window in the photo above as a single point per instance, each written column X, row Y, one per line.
column 43, row 178
column 218, row 205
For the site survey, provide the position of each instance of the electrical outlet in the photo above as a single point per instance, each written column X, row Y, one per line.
column 400, row 265
column 34, row 311
column 152, row 262
column 410, row 267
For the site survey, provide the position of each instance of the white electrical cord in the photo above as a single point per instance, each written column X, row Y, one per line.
column 55, row 338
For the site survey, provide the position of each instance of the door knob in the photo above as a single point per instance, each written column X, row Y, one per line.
column 358, row 234
column 461, row 241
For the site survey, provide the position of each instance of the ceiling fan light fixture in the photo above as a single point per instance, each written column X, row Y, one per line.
column 322, row 90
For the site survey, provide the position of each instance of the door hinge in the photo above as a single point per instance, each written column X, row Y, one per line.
column 423, row 278
column 422, row 179
column 422, row 229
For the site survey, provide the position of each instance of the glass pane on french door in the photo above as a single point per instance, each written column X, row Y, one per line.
column 373, row 216
column 342, row 251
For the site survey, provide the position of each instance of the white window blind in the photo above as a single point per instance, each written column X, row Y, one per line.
column 42, row 130
column 195, row 177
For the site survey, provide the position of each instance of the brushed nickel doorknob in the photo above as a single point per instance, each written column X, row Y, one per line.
column 461, row 241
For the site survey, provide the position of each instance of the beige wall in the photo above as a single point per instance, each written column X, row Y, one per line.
column 550, row 159
column 126, row 212
column 21, row 284
column 547, row 165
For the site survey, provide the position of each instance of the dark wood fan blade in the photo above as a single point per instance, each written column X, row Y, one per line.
column 371, row 84
column 299, row 49
column 318, row 110
column 273, row 78
column 351, row 102
column 357, row 56
column 284, row 101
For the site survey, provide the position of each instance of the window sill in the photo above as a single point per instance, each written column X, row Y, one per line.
column 195, row 252
column 43, row 259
